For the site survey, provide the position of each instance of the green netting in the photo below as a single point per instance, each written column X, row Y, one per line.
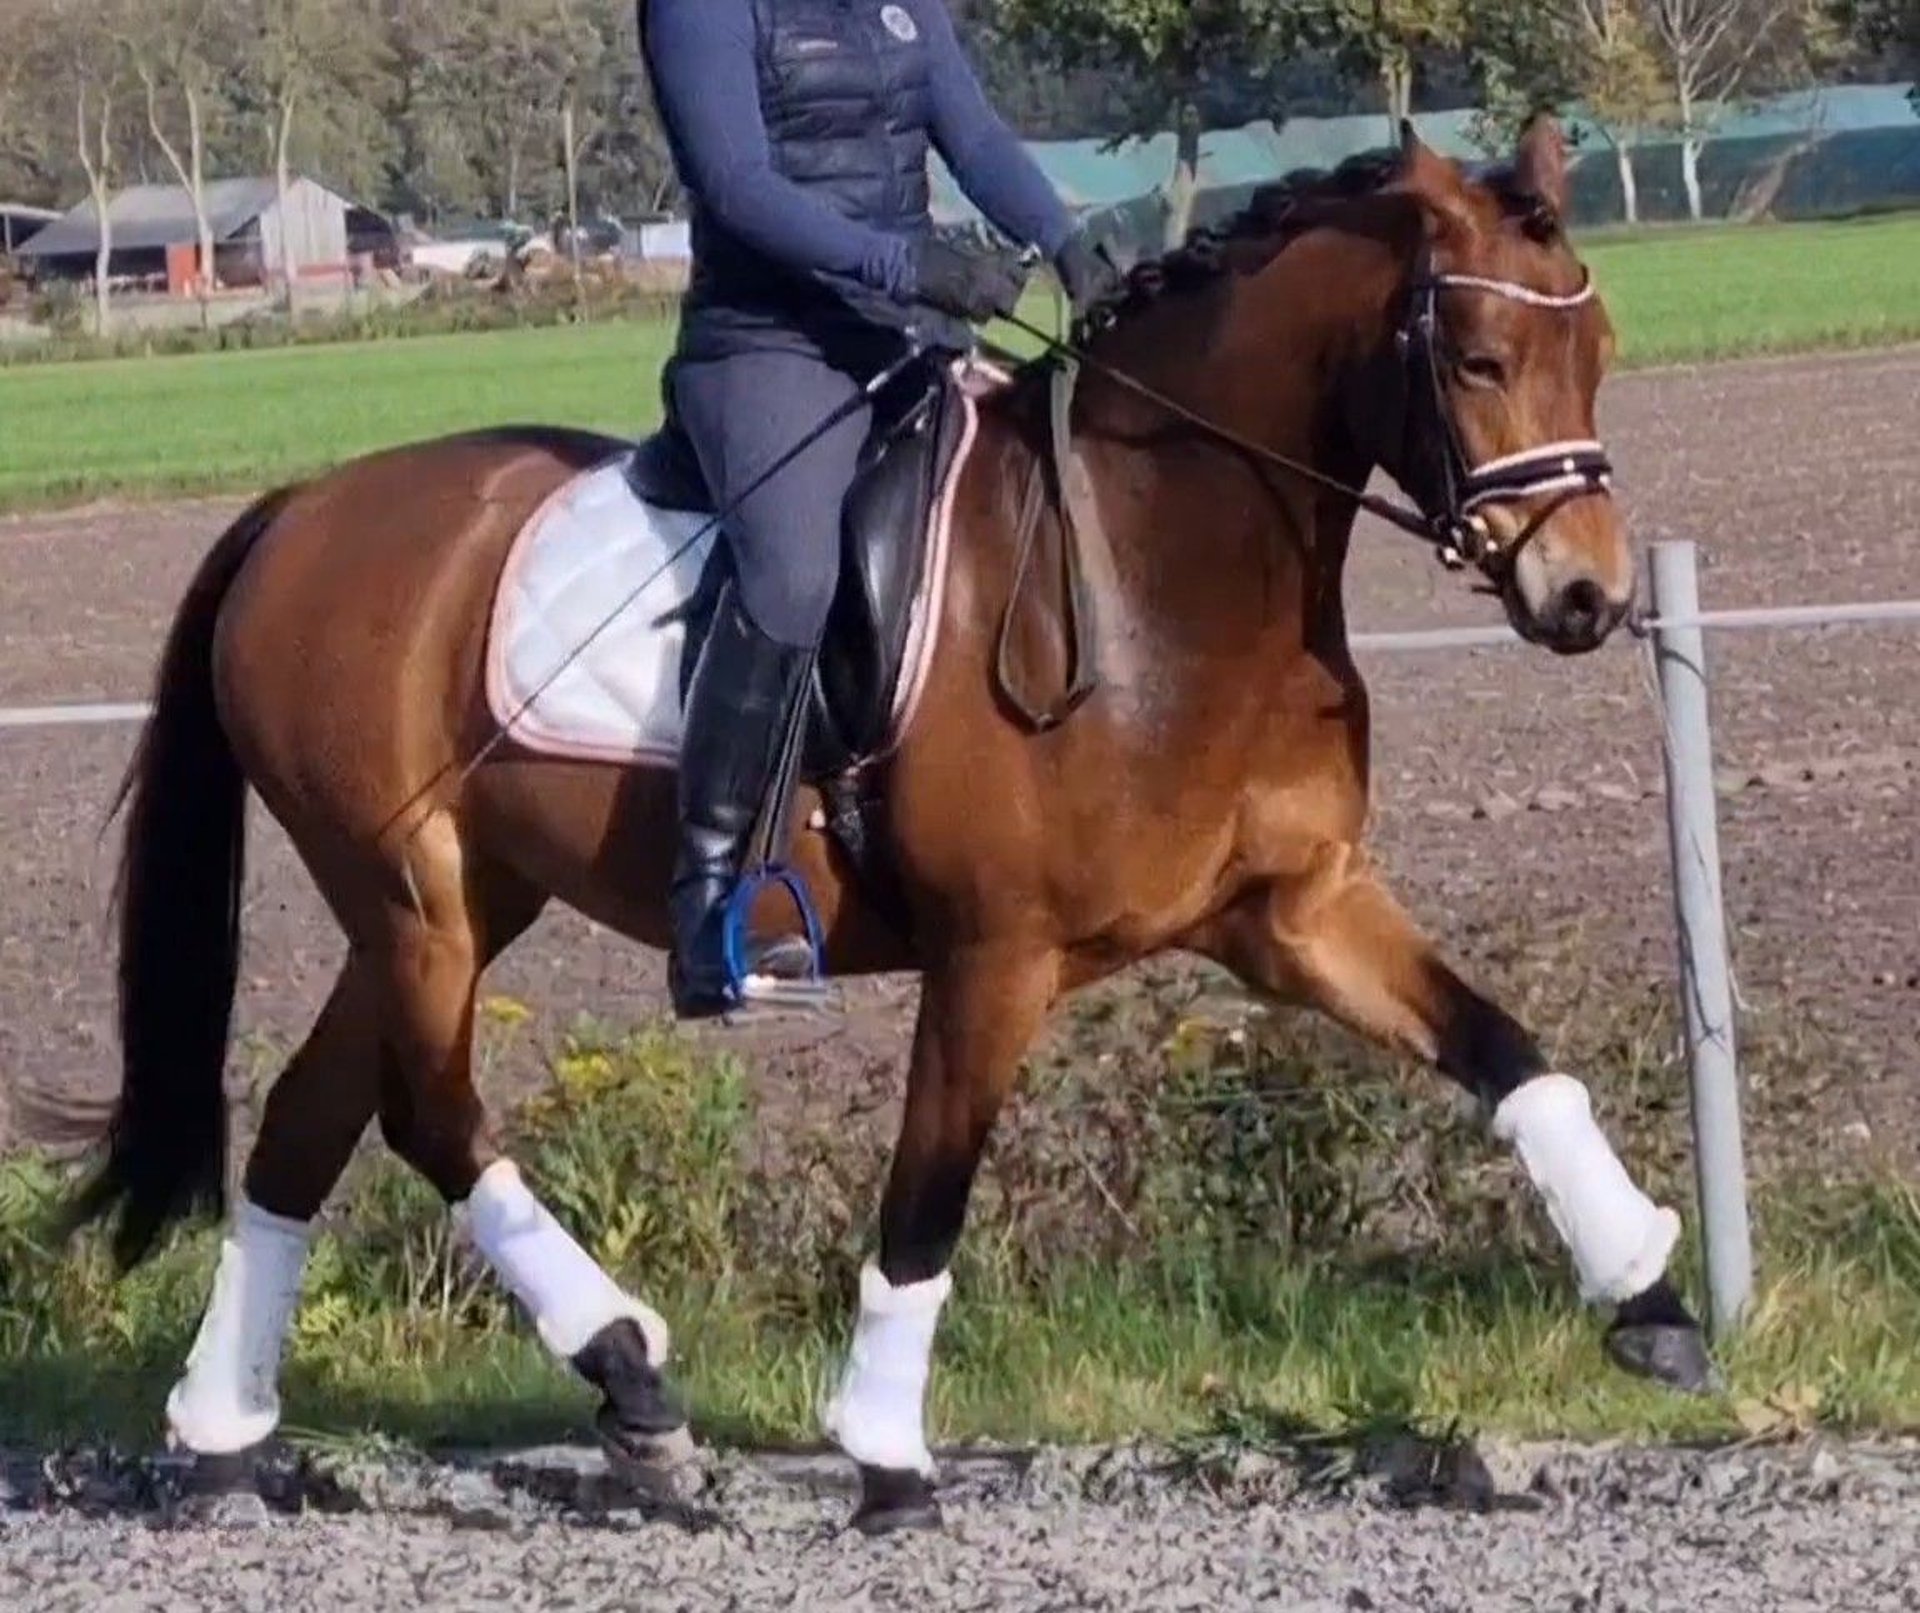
column 1817, row 153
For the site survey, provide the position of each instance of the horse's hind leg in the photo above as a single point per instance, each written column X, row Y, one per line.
column 395, row 1038
column 316, row 1112
column 1339, row 942
column 228, row 1400
column 431, row 956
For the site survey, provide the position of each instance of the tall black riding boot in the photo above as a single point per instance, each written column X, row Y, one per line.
column 740, row 705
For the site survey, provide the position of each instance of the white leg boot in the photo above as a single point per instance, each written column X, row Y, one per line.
column 878, row 1414
column 562, row 1287
column 1620, row 1240
column 229, row 1397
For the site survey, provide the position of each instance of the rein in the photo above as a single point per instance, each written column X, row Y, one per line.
column 1457, row 531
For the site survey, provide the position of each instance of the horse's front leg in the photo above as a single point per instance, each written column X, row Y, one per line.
column 979, row 1010
column 1338, row 941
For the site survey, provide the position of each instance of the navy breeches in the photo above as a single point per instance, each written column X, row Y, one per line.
column 743, row 411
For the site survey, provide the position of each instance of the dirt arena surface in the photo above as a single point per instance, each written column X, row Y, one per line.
column 1519, row 795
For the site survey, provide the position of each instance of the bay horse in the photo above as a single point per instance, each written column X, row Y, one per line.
column 1211, row 796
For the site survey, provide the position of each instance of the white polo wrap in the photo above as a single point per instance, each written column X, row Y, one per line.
column 878, row 1416
column 229, row 1397
column 562, row 1286
column 1620, row 1240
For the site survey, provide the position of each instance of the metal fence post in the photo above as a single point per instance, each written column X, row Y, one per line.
column 1706, row 985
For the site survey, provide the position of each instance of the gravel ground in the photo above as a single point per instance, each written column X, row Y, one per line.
column 1809, row 1527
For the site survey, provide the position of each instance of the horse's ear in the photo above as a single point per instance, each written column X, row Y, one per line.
column 1423, row 168
column 1540, row 165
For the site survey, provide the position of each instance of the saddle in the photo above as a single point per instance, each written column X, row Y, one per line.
column 886, row 536
column 881, row 626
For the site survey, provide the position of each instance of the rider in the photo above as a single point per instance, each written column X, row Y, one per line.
column 801, row 130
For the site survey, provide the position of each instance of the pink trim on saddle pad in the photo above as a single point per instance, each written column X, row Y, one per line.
column 537, row 732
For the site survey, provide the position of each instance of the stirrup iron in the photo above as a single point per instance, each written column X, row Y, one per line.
column 758, row 994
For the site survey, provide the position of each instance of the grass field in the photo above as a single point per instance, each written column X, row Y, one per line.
column 238, row 421
column 1254, row 1236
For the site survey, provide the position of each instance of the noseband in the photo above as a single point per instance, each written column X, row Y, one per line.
column 1559, row 472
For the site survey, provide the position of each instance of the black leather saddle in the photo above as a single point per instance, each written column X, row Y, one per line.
column 884, row 554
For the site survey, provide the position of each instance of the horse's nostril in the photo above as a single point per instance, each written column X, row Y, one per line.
column 1583, row 609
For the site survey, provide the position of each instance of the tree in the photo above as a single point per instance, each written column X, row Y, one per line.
column 1534, row 53
column 311, row 59
column 1166, row 50
column 176, row 49
column 1887, row 32
column 1386, row 39
column 69, row 50
column 1712, row 51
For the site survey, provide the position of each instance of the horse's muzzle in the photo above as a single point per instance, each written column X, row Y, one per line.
column 1571, row 620
column 1580, row 617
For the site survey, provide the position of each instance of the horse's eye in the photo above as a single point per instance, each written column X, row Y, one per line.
column 1483, row 369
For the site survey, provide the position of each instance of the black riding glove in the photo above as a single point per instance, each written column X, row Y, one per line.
column 971, row 283
column 1087, row 273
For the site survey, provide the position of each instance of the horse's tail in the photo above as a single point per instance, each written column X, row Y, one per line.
column 178, row 894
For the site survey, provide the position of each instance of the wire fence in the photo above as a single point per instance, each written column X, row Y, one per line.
column 1680, row 690
column 1783, row 617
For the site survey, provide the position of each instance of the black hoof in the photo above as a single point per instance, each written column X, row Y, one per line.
column 225, row 1491
column 1655, row 1336
column 642, row 1421
column 893, row 1501
column 208, row 1477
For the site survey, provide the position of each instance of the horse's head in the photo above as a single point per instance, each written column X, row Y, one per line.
column 1498, row 357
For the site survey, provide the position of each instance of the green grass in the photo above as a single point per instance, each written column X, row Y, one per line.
column 1698, row 294
column 239, row 421
column 242, row 420
column 1250, row 1288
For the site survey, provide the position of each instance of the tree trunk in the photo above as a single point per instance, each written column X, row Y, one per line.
column 1756, row 197
column 570, row 153
column 283, row 184
column 197, row 148
column 1396, row 78
column 1183, row 189
column 1629, row 181
column 1690, row 174
column 190, row 172
column 98, row 169
column 1690, row 152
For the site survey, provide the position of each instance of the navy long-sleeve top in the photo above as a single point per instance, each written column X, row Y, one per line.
column 706, row 78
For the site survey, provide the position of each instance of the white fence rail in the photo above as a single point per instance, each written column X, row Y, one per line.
column 1677, row 631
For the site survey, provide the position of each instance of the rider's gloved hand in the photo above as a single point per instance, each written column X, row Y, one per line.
column 1087, row 273
column 971, row 283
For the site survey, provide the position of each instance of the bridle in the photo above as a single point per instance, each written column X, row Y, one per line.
column 1559, row 472
column 1453, row 519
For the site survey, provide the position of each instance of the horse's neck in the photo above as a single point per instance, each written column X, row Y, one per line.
column 1265, row 357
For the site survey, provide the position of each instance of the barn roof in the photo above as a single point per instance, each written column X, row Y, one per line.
column 147, row 216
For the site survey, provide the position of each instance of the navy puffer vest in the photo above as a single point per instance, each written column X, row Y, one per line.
column 845, row 93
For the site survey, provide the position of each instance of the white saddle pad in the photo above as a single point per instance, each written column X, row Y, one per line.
column 577, row 666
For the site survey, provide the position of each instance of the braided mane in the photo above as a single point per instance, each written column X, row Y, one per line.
column 1251, row 238
column 1277, row 214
